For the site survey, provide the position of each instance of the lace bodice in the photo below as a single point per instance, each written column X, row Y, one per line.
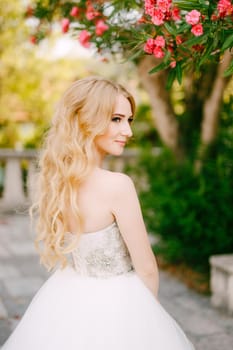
column 102, row 253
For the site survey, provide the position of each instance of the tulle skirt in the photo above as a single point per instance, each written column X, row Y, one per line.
column 73, row 312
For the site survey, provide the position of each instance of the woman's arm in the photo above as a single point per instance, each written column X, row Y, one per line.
column 127, row 211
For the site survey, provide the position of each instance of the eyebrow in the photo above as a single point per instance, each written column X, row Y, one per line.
column 122, row 115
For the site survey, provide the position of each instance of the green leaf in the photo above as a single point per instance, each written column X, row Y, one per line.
column 136, row 55
column 170, row 79
column 190, row 5
column 229, row 70
column 170, row 29
column 179, row 72
column 156, row 69
column 205, row 56
column 183, row 28
column 167, row 57
column 196, row 40
column 227, row 43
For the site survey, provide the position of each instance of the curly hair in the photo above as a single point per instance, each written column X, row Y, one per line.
column 66, row 158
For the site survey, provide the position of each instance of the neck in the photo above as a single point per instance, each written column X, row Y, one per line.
column 99, row 158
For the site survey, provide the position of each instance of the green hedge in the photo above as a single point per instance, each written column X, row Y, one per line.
column 191, row 214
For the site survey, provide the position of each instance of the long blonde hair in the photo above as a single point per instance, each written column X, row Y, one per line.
column 67, row 157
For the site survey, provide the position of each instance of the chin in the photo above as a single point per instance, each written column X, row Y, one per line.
column 116, row 153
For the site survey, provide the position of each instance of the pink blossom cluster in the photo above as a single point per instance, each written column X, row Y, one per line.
column 91, row 14
column 155, row 46
column 193, row 17
column 84, row 38
column 225, row 8
column 161, row 11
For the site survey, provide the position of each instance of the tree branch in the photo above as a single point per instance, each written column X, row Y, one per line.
column 162, row 112
column 211, row 109
column 213, row 103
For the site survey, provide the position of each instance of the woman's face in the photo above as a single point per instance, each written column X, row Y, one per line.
column 118, row 131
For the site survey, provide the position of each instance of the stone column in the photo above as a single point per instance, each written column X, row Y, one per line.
column 13, row 194
column 222, row 281
column 31, row 176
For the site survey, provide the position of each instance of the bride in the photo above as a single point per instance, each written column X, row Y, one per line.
column 103, row 293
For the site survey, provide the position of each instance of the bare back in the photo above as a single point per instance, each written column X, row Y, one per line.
column 94, row 201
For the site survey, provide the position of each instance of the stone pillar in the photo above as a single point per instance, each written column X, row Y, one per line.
column 13, row 194
column 221, row 281
column 31, row 179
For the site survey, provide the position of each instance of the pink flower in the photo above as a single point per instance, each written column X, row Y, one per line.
column 158, row 52
column 33, row 39
column 91, row 13
column 175, row 14
column 179, row 40
column 65, row 24
column 159, row 41
column 214, row 17
column 173, row 64
column 149, row 46
column 29, row 11
column 101, row 27
column 104, row 59
column 224, row 8
column 170, row 49
column 74, row 11
column 84, row 38
column 158, row 17
column 198, row 47
column 141, row 20
column 149, row 6
column 197, row 29
column 164, row 5
column 193, row 17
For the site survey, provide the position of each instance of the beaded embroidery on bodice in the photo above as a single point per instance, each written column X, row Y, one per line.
column 102, row 254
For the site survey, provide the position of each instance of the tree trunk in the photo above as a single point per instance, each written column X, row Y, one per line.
column 211, row 109
column 162, row 112
column 213, row 103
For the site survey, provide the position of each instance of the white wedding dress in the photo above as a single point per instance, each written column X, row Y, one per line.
column 97, row 303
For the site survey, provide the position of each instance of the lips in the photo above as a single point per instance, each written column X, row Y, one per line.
column 122, row 143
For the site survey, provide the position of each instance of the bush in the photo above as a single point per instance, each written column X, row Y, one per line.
column 192, row 214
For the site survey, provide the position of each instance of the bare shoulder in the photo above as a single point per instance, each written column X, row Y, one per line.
column 119, row 180
column 117, row 185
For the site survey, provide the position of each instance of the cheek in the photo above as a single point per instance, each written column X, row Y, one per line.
column 112, row 130
column 102, row 141
column 108, row 135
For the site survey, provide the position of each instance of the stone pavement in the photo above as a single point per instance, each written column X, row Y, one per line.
column 21, row 276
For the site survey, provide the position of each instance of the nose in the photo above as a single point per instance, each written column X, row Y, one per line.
column 126, row 129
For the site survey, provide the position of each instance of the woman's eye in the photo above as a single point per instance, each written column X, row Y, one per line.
column 116, row 119
column 130, row 120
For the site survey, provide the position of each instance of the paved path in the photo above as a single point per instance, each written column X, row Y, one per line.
column 21, row 276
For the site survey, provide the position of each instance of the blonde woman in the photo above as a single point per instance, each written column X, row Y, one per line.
column 103, row 293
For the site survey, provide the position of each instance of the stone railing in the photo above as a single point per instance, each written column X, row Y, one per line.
column 221, row 281
column 18, row 189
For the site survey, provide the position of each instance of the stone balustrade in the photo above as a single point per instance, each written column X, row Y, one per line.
column 16, row 193
column 221, row 281
column 18, row 189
